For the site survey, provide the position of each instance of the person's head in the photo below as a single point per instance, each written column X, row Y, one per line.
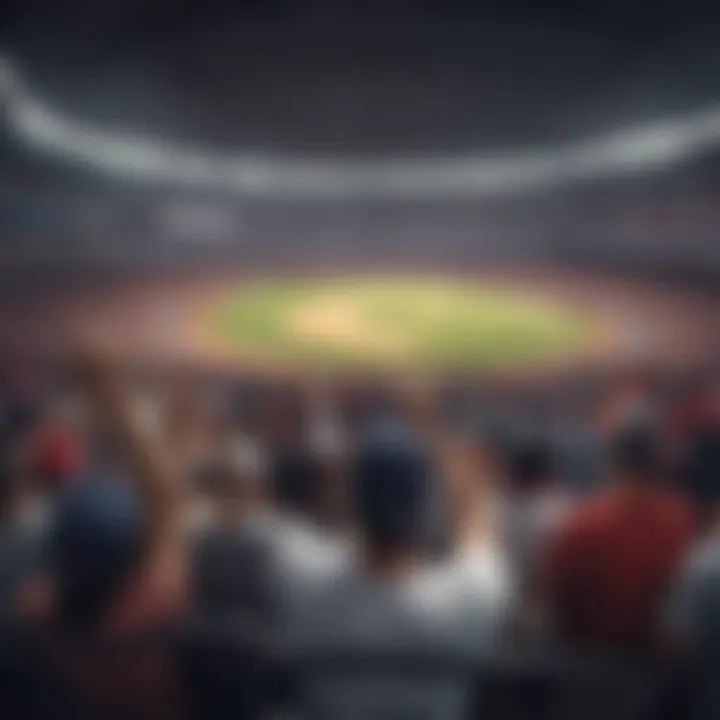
column 96, row 544
column 298, row 481
column 236, row 479
column 531, row 465
column 636, row 456
column 58, row 459
column 392, row 486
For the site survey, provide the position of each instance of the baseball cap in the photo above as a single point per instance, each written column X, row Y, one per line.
column 96, row 539
column 392, row 485
column 59, row 455
column 636, row 448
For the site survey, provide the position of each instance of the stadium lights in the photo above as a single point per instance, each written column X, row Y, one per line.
column 642, row 148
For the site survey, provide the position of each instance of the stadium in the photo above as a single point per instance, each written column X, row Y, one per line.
column 359, row 359
column 350, row 319
column 134, row 195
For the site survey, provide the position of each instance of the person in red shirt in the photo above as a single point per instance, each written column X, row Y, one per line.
column 609, row 568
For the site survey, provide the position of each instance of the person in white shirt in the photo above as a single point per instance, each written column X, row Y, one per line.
column 252, row 552
column 390, row 598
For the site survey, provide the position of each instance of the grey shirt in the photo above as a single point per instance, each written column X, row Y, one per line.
column 254, row 570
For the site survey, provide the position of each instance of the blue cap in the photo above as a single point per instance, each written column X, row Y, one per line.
column 96, row 541
column 392, row 486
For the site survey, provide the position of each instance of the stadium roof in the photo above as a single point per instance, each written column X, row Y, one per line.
column 319, row 98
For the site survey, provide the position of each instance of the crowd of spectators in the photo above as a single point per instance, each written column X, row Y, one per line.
column 350, row 548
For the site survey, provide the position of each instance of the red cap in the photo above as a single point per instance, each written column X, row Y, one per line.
column 59, row 455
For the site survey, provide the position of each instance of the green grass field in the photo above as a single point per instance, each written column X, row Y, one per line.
column 398, row 322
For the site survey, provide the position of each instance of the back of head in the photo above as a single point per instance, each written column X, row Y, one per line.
column 59, row 459
column 96, row 544
column 531, row 463
column 297, row 480
column 636, row 454
column 392, row 487
column 238, row 470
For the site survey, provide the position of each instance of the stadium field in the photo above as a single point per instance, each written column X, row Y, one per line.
column 393, row 322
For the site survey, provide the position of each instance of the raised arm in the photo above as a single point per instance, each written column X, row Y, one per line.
column 467, row 494
column 158, row 482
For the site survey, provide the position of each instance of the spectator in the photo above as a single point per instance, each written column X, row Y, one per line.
column 303, row 549
column 118, row 578
column 693, row 626
column 327, row 441
column 20, row 540
column 297, row 481
column 19, row 410
column 693, row 632
column 613, row 560
column 581, row 456
column 58, row 459
column 534, row 504
column 389, row 599
column 232, row 553
column 698, row 425
column 262, row 540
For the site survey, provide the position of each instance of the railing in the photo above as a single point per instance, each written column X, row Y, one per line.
column 229, row 673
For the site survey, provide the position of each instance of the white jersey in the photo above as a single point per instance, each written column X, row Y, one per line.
column 454, row 610
column 303, row 554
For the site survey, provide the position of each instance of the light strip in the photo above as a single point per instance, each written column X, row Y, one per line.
column 641, row 148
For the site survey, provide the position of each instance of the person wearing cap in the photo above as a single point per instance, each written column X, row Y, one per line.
column 612, row 562
column 115, row 585
column 57, row 461
column 39, row 461
column 390, row 598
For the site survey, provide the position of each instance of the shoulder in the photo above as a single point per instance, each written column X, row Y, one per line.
column 693, row 600
column 479, row 575
column 468, row 599
column 302, row 549
column 678, row 509
column 584, row 519
column 703, row 563
column 577, row 533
